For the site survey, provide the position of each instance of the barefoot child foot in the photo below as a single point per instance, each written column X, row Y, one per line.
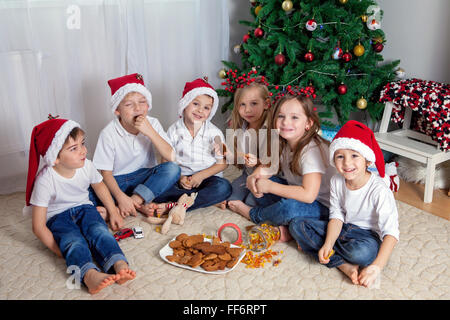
column 163, row 208
column 351, row 271
column 221, row 205
column 148, row 209
column 95, row 281
column 124, row 272
column 239, row 207
column 285, row 236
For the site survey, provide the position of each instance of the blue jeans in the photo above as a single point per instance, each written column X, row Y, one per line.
column 280, row 211
column 148, row 183
column 354, row 245
column 212, row 190
column 83, row 237
column 239, row 190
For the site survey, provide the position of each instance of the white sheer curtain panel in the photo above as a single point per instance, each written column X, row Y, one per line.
column 57, row 55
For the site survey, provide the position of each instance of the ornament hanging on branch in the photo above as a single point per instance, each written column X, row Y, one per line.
column 245, row 38
column 237, row 49
column 342, row 89
column 280, row 59
column 347, row 56
column 222, row 73
column 361, row 103
column 287, row 5
column 337, row 53
column 311, row 25
column 309, row 56
column 259, row 33
column 377, row 47
column 358, row 50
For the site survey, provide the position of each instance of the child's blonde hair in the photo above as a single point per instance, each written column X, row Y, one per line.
column 311, row 135
column 237, row 121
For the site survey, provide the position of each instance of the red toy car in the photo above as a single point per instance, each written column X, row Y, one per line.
column 123, row 233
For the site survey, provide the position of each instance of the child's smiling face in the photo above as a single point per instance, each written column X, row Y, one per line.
column 198, row 110
column 292, row 122
column 351, row 165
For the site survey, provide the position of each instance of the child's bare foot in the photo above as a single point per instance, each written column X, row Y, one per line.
column 163, row 208
column 148, row 209
column 103, row 213
column 351, row 271
column 239, row 207
column 96, row 281
column 124, row 272
column 221, row 205
column 285, row 236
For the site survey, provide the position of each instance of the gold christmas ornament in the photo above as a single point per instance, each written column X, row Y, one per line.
column 343, row 1
column 257, row 9
column 358, row 50
column 287, row 5
column 364, row 18
column 223, row 73
column 361, row 103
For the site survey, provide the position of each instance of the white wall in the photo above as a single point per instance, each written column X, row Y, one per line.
column 417, row 33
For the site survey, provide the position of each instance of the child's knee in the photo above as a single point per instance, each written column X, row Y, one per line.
column 172, row 170
column 222, row 188
column 361, row 256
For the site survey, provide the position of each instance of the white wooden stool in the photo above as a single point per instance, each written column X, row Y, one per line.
column 413, row 145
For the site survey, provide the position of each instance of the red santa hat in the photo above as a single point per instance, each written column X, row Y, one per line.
column 121, row 86
column 194, row 89
column 358, row 137
column 47, row 140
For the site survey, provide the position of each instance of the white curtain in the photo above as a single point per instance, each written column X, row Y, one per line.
column 56, row 57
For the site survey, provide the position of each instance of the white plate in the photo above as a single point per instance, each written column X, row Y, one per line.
column 167, row 251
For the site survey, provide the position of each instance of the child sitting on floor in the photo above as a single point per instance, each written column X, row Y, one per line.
column 126, row 149
column 63, row 217
column 194, row 138
column 363, row 225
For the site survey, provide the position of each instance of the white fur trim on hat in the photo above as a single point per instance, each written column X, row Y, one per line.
column 352, row 144
column 189, row 96
column 58, row 141
column 124, row 90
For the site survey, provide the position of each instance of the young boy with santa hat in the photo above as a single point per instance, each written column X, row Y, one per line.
column 127, row 146
column 195, row 140
column 363, row 225
column 63, row 217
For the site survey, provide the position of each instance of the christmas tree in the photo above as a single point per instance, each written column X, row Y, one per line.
column 331, row 45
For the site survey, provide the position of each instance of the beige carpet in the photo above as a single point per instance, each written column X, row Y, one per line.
column 418, row 269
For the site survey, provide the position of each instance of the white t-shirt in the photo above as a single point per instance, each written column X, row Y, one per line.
column 310, row 161
column 58, row 194
column 194, row 154
column 371, row 207
column 122, row 152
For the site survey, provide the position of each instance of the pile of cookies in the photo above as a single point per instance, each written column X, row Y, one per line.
column 211, row 256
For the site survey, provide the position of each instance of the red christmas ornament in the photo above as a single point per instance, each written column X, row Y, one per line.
column 245, row 38
column 309, row 56
column 347, row 56
column 377, row 47
column 280, row 59
column 258, row 32
column 342, row 89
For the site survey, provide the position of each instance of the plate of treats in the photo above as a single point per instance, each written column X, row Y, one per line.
column 198, row 253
